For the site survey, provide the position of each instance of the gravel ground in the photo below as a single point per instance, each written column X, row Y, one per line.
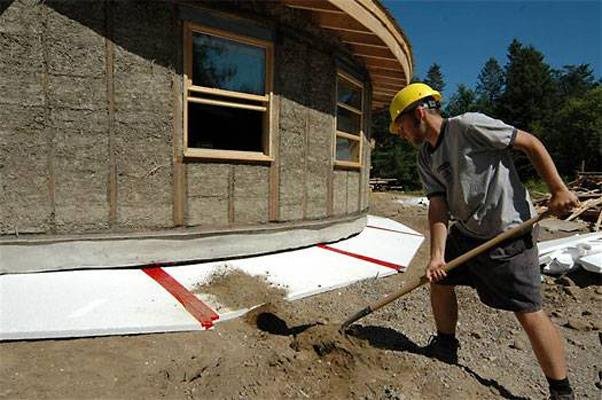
column 292, row 351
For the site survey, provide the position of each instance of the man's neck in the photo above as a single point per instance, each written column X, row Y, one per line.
column 434, row 124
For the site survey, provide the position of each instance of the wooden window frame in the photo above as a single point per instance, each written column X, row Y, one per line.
column 345, row 135
column 228, row 98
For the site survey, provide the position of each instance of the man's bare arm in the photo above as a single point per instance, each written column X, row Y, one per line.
column 562, row 200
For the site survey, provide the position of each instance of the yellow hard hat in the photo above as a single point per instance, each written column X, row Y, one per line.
column 408, row 96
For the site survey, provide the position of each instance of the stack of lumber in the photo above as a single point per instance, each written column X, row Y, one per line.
column 588, row 188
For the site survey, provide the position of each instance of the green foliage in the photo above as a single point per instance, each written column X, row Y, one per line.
column 434, row 78
column 527, row 98
column 464, row 100
column 562, row 107
column 392, row 157
column 490, row 86
column 575, row 132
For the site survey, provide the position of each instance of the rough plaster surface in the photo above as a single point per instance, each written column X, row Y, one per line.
column 250, row 194
column 340, row 192
column 55, row 139
column 208, row 194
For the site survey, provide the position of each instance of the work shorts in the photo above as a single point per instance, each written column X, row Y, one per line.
column 506, row 277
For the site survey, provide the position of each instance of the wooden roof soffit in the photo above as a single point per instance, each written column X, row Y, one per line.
column 372, row 35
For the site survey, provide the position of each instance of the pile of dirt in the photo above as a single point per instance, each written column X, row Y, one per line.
column 235, row 289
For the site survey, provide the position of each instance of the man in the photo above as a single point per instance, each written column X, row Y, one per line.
column 469, row 177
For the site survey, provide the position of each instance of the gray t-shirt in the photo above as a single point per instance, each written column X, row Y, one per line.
column 472, row 168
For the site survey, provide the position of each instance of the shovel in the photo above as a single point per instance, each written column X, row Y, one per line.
column 411, row 285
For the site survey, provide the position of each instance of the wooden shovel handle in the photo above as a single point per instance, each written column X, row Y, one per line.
column 415, row 283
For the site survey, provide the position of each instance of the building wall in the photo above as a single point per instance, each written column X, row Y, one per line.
column 90, row 136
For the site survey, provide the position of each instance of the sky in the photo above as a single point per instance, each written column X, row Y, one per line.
column 461, row 36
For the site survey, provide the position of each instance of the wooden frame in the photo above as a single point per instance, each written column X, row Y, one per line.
column 345, row 135
column 228, row 98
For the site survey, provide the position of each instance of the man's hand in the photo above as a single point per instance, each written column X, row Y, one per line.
column 562, row 202
column 435, row 271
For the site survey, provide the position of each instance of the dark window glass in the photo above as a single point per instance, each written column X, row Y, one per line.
column 224, row 128
column 225, row 64
column 348, row 150
column 348, row 121
column 349, row 94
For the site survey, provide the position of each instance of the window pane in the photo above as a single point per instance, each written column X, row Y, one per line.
column 226, row 64
column 348, row 150
column 348, row 121
column 224, row 128
column 349, row 94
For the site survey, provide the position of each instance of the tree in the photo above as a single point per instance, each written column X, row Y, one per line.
column 392, row 157
column 528, row 96
column 464, row 100
column 576, row 132
column 574, row 80
column 434, row 78
column 490, row 86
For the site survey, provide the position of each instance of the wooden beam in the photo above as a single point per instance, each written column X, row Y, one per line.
column 367, row 45
column 340, row 22
column 367, row 51
column 312, row 5
column 361, row 37
column 387, row 78
column 391, row 65
column 381, row 24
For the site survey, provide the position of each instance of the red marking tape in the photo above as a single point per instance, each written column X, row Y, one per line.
column 387, row 264
column 191, row 303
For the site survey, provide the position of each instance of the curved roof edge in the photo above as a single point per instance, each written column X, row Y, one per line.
column 373, row 36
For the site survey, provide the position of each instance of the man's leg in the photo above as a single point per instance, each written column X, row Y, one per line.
column 444, row 345
column 445, row 308
column 549, row 350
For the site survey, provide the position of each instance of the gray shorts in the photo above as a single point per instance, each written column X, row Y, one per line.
column 507, row 277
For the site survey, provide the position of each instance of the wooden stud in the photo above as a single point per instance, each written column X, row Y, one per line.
column 110, row 71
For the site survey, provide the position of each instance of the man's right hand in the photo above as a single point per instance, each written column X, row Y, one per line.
column 562, row 202
column 435, row 271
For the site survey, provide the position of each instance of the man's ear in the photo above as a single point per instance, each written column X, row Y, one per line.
column 419, row 113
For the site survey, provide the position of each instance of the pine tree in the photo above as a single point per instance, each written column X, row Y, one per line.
column 464, row 100
column 490, row 86
column 434, row 78
column 528, row 97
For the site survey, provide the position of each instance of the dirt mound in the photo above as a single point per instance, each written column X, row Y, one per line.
column 236, row 289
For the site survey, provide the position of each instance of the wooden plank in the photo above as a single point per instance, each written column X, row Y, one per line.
column 349, row 136
column 313, row 5
column 274, row 177
column 226, row 104
column 349, row 108
column 365, row 45
column 228, row 93
column 365, row 38
column 110, row 70
column 584, row 207
column 390, row 65
column 347, row 164
column 382, row 26
column 384, row 77
column 178, row 169
column 212, row 154
column 367, row 51
column 387, row 86
column 342, row 22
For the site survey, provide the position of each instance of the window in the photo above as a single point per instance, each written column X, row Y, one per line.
column 349, row 121
column 228, row 93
